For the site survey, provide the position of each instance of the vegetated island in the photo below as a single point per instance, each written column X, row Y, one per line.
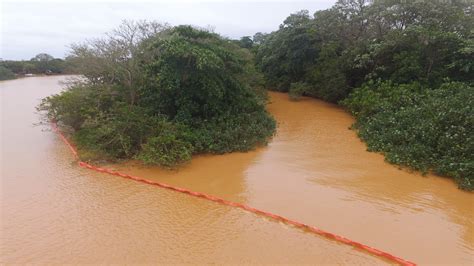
column 160, row 94
column 404, row 69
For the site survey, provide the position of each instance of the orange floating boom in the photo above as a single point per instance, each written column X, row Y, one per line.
column 371, row 250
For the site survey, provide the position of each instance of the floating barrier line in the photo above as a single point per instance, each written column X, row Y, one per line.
column 371, row 250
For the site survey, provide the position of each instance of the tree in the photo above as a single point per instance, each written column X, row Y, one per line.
column 258, row 38
column 6, row 73
column 197, row 82
column 43, row 57
column 246, row 42
column 117, row 59
column 42, row 62
column 286, row 55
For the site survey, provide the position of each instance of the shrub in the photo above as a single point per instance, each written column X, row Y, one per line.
column 166, row 150
column 297, row 89
column 424, row 129
column 375, row 96
column 78, row 103
column 6, row 73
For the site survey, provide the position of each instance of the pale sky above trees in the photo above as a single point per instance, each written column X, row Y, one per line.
column 30, row 27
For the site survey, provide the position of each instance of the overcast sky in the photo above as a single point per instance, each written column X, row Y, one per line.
column 31, row 27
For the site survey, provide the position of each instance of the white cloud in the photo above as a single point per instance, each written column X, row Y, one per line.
column 30, row 27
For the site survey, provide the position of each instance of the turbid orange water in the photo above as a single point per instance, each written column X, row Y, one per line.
column 314, row 170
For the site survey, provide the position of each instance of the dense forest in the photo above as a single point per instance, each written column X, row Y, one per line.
column 403, row 68
column 160, row 94
column 40, row 64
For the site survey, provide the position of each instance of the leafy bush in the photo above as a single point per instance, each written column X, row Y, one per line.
column 78, row 103
column 121, row 131
column 375, row 96
column 297, row 89
column 234, row 132
column 327, row 77
column 166, row 149
column 421, row 128
column 286, row 55
column 6, row 73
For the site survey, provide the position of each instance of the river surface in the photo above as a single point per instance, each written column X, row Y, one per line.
column 315, row 170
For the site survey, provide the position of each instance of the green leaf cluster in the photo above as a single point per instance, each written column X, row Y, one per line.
column 418, row 127
column 6, row 73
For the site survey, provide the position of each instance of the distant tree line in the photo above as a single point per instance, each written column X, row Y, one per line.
column 403, row 68
column 40, row 64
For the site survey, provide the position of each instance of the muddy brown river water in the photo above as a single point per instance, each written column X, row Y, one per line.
column 315, row 170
